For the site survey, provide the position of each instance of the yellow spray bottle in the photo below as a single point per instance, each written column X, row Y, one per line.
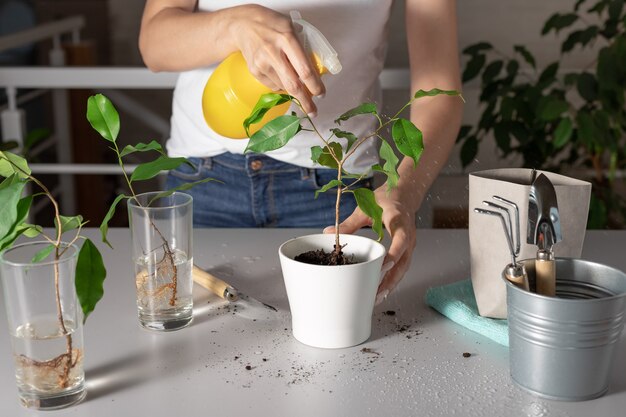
column 232, row 91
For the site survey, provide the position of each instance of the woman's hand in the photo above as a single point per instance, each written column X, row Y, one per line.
column 176, row 37
column 270, row 45
column 399, row 221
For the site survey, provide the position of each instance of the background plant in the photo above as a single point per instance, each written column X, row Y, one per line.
column 90, row 270
column 554, row 121
column 339, row 145
column 104, row 118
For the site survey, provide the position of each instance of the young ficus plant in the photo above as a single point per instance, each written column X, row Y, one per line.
column 90, row 271
column 104, row 118
column 340, row 145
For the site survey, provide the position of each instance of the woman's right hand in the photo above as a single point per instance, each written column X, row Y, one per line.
column 176, row 37
column 270, row 45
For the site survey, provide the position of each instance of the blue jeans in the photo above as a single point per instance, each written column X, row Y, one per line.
column 258, row 191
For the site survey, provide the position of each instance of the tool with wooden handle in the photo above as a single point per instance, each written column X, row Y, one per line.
column 544, row 230
column 214, row 284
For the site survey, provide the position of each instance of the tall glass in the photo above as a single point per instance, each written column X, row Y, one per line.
column 46, row 325
column 162, row 238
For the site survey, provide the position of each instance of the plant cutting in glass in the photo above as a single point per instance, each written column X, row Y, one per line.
column 556, row 122
column 338, row 147
column 89, row 274
column 162, row 281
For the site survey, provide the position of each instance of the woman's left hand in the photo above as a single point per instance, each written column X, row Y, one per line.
column 400, row 223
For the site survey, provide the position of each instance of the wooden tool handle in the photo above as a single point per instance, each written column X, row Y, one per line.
column 214, row 284
column 545, row 274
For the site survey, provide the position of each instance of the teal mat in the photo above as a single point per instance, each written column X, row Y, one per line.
column 456, row 302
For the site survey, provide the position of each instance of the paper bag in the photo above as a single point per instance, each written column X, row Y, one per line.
column 489, row 250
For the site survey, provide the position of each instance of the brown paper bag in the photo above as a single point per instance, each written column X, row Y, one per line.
column 489, row 250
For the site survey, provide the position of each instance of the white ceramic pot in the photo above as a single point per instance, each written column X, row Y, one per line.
column 331, row 306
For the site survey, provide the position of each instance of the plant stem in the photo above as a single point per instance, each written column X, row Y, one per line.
column 337, row 204
column 166, row 247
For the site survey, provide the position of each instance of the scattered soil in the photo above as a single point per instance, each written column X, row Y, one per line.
column 321, row 257
column 466, row 354
column 369, row 350
column 389, row 313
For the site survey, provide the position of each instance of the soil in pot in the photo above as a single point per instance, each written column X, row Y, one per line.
column 321, row 257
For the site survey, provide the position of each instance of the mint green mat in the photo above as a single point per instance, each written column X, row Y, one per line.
column 456, row 301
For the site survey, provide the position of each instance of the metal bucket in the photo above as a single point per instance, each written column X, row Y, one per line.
column 562, row 347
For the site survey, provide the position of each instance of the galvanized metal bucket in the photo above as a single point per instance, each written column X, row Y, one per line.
column 562, row 347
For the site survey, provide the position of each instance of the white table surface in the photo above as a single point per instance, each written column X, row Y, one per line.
column 201, row 370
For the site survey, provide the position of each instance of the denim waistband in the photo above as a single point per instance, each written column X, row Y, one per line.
column 251, row 162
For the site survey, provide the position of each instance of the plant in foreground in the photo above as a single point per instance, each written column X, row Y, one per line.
column 104, row 118
column 339, row 146
column 90, row 270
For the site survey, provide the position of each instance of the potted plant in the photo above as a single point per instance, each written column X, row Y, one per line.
column 560, row 122
column 44, row 282
column 161, row 228
column 331, row 291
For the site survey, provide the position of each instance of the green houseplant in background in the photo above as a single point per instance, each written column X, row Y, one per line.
column 560, row 121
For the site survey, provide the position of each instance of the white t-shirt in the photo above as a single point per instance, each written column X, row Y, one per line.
column 357, row 29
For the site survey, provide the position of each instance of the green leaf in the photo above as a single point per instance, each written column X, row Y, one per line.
column 608, row 73
column 265, row 103
column 103, row 117
column 104, row 226
column 365, row 108
column 549, row 74
column 477, row 47
column 507, row 106
column 32, row 230
column 578, row 4
column 10, row 194
column 559, row 21
column 408, row 139
column 587, row 86
column 90, row 275
column 492, row 71
column 435, row 92
column 550, row 108
column 503, row 138
column 11, row 163
column 326, row 187
column 275, row 134
column 349, row 136
column 525, row 53
column 391, row 164
column 323, row 156
column 563, row 133
column 18, row 228
column 366, row 201
column 69, row 223
column 615, row 9
column 469, row 150
column 8, row 145
column 143, row 147
column 184, row 187
column 464, row 131
column 42, row 254
column 35, row 136
column 473, row 67
column 151, row 169
column 598, row 214
column 12, row 236
column 586, row 129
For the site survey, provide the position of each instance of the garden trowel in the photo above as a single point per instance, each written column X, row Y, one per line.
column 222, row 289
column 544, row 230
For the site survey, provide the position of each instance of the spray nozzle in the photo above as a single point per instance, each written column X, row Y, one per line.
column 316, row 43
